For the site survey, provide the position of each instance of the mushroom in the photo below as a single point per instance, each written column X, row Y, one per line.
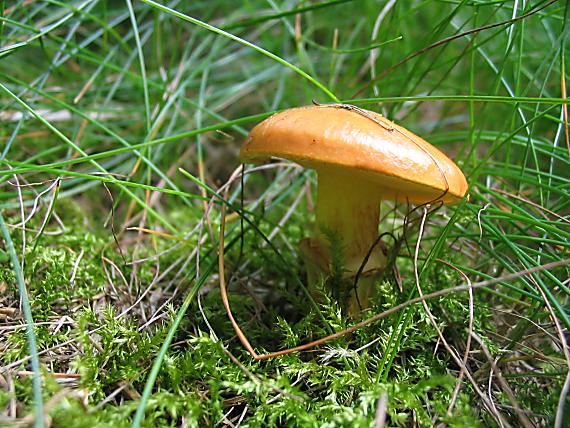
column 361, row 158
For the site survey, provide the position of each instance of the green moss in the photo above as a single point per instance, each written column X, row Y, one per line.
column 94, row 305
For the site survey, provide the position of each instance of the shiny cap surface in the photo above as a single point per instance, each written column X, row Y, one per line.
column 361, row 144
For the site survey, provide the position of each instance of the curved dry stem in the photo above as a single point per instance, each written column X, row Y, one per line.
column 247, row 345
column 468, row 342
column 488, row 403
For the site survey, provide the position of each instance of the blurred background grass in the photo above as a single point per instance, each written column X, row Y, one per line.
column 101, row 103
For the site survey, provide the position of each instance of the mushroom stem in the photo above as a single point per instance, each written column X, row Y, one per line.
column 347, row 211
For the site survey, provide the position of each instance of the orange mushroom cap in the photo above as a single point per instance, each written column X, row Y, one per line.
column 359, row 143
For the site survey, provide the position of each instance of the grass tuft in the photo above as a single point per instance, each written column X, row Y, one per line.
column 120, row 125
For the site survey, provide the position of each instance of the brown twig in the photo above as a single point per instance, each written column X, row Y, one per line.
column 468, row 343
column 523, row 418
column 247, row 345
column 564, row 345
column 450, row 351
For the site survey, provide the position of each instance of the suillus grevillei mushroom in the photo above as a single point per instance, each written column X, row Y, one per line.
column 361, row 158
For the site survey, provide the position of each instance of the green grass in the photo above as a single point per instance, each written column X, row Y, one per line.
column 121, row 117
